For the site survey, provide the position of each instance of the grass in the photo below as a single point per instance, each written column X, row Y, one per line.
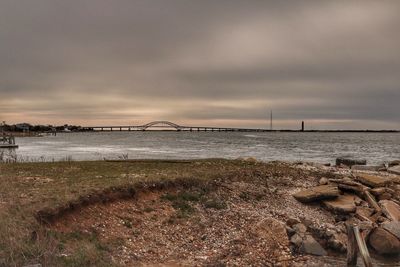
column 26, row 188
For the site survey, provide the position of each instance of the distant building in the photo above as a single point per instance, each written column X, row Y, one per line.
column 23, row 127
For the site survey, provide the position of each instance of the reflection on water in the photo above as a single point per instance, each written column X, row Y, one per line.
column 317, row 147
column 8, row 155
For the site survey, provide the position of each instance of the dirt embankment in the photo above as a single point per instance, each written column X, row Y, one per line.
column 236, row 220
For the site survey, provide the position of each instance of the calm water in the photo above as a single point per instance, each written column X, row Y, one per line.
column 317, row 147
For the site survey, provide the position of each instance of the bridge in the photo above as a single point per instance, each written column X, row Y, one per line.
column 169, row 126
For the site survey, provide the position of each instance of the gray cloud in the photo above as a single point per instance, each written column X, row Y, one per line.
column 336, row 63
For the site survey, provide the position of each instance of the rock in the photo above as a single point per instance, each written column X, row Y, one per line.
column 372, row 180
column 364, row 211
column 350, row 161
column 265, row 227
column 390, row 209
column 395, row 170
column 323, row 181
column 311, row 246
column 317, row 193
column 394, row 163
column 300, row 228
column 290, row 231
column 342, row 166
column 307, row 222
column 296, row 240
column 292, row 221
column 251, row 160
column 365, row 168
column 343, row 204
column 393, row 228
column 338, row 242
column 378, row 191
column 385, row 196
column 366, row 226
column 384, row 242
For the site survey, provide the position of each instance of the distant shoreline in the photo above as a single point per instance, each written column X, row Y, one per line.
column 38, row 134
column 257, row 130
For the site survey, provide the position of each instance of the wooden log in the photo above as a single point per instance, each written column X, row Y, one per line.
column 362, row 218
column 371, row 200
column 362, row 247
column 351, row 246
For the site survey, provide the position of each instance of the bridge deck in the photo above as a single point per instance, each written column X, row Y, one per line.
column 170, row 126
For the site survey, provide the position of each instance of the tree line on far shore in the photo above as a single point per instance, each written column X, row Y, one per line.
column 26, row 127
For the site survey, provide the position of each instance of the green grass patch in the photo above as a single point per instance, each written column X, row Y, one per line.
column 215, row 204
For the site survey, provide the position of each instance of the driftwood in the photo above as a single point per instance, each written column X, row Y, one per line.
column 371, row 201
column 362, row 247
column 351, row 246
column 362, row 218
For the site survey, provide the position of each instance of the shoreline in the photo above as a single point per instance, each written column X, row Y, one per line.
column 170, row 195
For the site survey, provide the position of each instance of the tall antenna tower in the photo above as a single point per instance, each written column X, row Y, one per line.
column 270, row 126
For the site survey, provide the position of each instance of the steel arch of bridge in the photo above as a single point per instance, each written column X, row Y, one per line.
column 161, row 124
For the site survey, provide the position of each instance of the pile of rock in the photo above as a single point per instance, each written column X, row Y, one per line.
column 371, row 201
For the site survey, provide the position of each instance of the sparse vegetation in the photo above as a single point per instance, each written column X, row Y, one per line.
column 215, row 204
column 26, row 188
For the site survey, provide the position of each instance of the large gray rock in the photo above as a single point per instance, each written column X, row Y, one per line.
column 317, row 193
column 311, row 246
column 348, row 161
column 343, row 204
column 384, row 242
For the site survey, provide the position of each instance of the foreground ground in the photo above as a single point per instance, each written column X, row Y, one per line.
column 208, row 212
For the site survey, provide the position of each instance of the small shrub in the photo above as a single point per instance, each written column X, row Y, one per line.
column 215, row 204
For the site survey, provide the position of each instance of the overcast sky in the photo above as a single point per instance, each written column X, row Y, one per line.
column 334, row 64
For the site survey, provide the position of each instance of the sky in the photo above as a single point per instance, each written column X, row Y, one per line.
column 333, row 64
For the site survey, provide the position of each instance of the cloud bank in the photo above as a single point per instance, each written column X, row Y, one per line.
column 334, row 64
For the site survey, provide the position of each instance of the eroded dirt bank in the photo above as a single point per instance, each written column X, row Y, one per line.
column 234, row 220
